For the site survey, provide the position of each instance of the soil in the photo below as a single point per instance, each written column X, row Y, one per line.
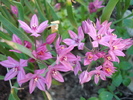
column 69, row 90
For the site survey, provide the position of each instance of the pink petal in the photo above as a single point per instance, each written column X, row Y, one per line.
column 32, row 85
column 35, row 34
column 80, row 33
column 11, row 74
column 72, row 34
column 40, row 71
column 16, row 39
column 84, row 77
column 17, row 51
column 67, row 65
column 96, row 79
column 48, row 79
column 27, row 44
column 119, row 53
column 58, row 77
column 61, row 67
column 23, row 63
column 69, row 41
column 77, row 68
column 34, row 21
column 81, row 46
column 51, row 38
column 42, row 26
column 20, row 76
column 40, row 85
column 95, row 44
column 92, row 32
column 25, row 26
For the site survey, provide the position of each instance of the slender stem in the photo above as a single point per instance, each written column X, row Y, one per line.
column 9, row 80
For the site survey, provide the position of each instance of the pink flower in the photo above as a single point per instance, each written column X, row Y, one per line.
column 42, row 53
column 76, row 39
column 36, row 80
column 94, row 6
column 89, row 57
column 108, row 68
column 57, row 6
column 85, row 77
column 17, row 68
column 15, row 39
column 53, row 72
column 98, row 73
column 34, row 27
column 14, row 10
column 116, row 47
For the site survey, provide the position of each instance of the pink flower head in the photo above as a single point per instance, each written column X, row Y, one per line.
column 86, row 26
column 85, row 77
column 76, row 39
column 34, row 27
column 98, row 73
column 53, row 72
column 108, row 68
column 36, row 80
column 116, row 47
column 14, row 10
column 89, row 57
column 42, row 53
column 94, row 6
column 16, row 39
column 128, row 43
column 16, row 68
column 65, row 57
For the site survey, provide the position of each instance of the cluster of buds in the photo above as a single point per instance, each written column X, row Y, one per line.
column 100, row 35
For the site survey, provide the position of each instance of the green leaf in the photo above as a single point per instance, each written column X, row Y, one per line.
column 130, row 51
column 70, row 14
column 20, row 10
column 2, row 57
column 93, row 98
column 111, row 87
column 107, row 11
column 5, row 35
column 2, row 77
column 101, row 90
column 125, row 65
column 117, row 80
column 19, row 47
column 13, row 95
column 126, row 81
column 128, row 23
column 13, row 29
column 105, row 95
column 81, row 98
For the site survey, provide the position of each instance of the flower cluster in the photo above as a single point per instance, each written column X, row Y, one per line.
column 105, row 46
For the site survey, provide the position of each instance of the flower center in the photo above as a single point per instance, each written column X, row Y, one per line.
column 36, row 79
column 108, row 58
column 115, row 47
column 89, row 57
column 77, row 40
column 34, row 27
column 99, row 37
column 54, row 72
column 15, row 69
column 108, row 70
column 40, row 53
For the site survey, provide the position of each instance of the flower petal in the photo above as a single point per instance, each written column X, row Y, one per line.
column 25, row 27
column 58, row 77
column 34, row 21
column 72, row 34
column 40, row 84
column 16, row 39
column 12, row 73
column 23, row 63
column 32, row 85
column 69, row 41
column 80, row 33
column 42, row 26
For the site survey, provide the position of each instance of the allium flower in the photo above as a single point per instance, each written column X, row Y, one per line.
column 34, row 27
column 15, row 39
column 36, row 80
column 17, row 68
column 53, row 72
column 76, row 39
column 14, row 10
column 94, row 6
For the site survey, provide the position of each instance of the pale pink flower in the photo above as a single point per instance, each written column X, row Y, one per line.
column 14, row 10
column 36, row 80
column 34, row 27
column 16, row 68
column 94, row 6
column 57, row 6
column 76, row 39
